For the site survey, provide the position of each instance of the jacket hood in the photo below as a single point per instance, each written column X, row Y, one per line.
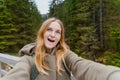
column 27, row 49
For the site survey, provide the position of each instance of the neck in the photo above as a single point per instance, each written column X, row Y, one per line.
column 48, row 50
column 51, row 51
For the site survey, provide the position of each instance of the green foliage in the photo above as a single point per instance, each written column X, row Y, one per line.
column 84, row 27
column 115, row 31
column 19, row 22
column 111, row 24
column 7, row 39
column 79, row 25
column 111, row 58
column 115, row 37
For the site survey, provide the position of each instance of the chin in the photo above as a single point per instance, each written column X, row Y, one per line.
column 49, row 47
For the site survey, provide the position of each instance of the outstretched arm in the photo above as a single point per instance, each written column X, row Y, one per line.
column 114, row 76
column 84, row 69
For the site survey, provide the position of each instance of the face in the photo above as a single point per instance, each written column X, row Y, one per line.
column 52, row 35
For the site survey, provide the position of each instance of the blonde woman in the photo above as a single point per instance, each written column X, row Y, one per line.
column 53, row 60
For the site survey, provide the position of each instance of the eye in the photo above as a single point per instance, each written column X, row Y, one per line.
column 58, row 32
column 49, row 29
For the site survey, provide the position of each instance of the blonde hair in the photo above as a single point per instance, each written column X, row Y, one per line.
column 40, row 49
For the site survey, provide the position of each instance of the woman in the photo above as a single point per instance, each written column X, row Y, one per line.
column 51, row 56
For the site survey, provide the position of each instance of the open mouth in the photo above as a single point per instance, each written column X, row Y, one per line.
column 51, row 40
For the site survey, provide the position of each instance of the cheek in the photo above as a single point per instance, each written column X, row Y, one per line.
column 58, row 38
column 45, row 36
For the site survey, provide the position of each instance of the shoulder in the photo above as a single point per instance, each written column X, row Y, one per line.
column 71, row 54
column 25, row 63
column 27, row 60
column 72, row 57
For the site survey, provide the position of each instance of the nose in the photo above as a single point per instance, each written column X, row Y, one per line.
column 52, row 34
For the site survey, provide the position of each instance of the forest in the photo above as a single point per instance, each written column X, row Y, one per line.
column 92, row 27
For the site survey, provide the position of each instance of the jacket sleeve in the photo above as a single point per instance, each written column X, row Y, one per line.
column 21, row 71
column 84, row 69
column 114, row 76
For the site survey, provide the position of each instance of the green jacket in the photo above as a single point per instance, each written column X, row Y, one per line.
column 81, row 68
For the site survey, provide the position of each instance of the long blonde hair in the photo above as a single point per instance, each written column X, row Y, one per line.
column 40, row 48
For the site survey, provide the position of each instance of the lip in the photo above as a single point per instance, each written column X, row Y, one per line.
column 51, row 40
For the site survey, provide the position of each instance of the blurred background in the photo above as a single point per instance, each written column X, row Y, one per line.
column 92, row 27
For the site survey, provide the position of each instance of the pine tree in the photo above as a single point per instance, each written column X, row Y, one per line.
column 19, row 21
column 7, row 39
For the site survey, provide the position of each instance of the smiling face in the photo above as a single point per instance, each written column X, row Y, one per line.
column 52, row 35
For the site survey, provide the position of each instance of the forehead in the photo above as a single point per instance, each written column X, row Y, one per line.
column 55, row 25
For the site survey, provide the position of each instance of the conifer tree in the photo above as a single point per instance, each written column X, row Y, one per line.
column 7, row 29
